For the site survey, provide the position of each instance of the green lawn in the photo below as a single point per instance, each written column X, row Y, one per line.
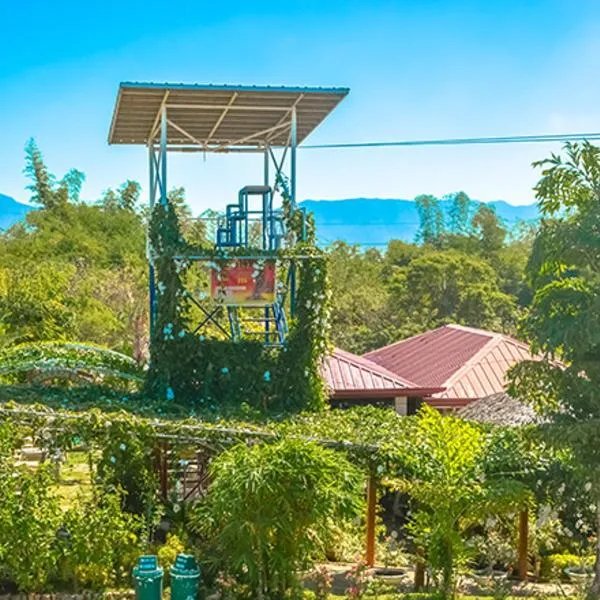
column 74, row 477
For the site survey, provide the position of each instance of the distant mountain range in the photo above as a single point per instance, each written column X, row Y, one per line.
column 365, row 221
column 375, row 221
column 11, row 211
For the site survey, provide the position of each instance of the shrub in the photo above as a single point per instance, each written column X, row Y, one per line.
column 168, row 552
column 29, row 520
column 270, row 508
column 554, row 565
column 100, row 542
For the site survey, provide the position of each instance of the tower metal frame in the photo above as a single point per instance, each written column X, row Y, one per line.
column 205, row 118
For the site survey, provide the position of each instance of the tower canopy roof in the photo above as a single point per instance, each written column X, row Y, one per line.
column 218, row 118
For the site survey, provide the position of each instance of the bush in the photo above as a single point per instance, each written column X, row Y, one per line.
column 167, row 553
column 100, row 543
column 29, row 520
column 554, row 565
column 270, row 509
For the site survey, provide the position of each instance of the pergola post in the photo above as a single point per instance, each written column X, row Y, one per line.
column 523, row 543
column 371, row 516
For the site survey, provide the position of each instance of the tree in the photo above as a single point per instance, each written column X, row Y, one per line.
column 447, row 286
column 488, row 230
column 126, row 197
column 564, row 319
column 446, row 478
column 42, row 182
column 459, row 214
column 360, row 317
column 431, row 219
column 130, row 194
column 45, row 190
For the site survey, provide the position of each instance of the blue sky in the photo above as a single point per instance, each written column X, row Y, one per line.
column 416, row 69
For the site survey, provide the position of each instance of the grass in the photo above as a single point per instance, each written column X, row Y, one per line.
column 74, row 478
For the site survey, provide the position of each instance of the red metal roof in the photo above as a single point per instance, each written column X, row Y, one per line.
column 468, row 362
column 349, row 375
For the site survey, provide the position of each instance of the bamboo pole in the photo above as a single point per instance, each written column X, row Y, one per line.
column 371, row 514
column 523, row 543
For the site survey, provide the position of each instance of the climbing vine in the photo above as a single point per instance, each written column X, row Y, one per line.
column 71, row 361
column 206, row 370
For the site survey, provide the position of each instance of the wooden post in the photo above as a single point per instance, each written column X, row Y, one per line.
column 523, row 543
column 371, row 514
column 164, row 471
column 420, row 571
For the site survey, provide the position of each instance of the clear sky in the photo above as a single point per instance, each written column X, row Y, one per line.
column 417, row 69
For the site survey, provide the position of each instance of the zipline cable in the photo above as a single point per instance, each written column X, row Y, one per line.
column 514, row 139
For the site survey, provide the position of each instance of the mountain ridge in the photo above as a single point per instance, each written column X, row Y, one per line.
column 363, row 221
column 11, row 211
column 376, row 221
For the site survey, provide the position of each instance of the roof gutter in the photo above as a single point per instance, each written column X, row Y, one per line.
column 374, row 394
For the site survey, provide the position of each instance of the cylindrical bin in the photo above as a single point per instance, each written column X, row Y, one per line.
column 148, row 578
column 185, row 578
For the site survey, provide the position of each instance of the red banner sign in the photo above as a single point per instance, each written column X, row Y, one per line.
column 246, row 283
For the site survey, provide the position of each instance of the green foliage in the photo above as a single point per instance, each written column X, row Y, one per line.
column 29, row 520
column 439, row 287
column 168, row 552
column 50, row 361
column 445, row 476
column 72, row 270
column 431, row 218
column 99, row 543
column 554, row 565
column 206, row 372
column 128, row 463
column 564, row 320
column 361, row 317
column 270, row 509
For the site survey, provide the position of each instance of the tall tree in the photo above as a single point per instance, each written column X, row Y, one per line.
column 564, row 320
column 459, row 213
column 489, row 230
column 431, row 219
column 45, row 190
column 42, row 182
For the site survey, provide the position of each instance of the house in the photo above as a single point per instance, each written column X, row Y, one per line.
column 353, row 380
column 469, row 363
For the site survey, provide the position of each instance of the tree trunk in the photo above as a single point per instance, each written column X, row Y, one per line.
column 595, row 589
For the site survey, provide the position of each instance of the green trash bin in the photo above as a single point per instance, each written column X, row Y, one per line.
column 185, row 578
column 148, row 578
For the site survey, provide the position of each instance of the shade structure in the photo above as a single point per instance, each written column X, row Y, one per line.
column 219, row 118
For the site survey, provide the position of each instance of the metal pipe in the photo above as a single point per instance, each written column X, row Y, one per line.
column 293, row 143
column 266, row 171
column 163, row 156
column 151, row 277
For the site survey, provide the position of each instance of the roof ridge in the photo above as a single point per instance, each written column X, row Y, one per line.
column 494, row 341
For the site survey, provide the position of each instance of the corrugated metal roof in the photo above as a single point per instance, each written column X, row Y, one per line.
column 347, row 371
column 347, row 374
column 468, row 362
column 216, row 117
